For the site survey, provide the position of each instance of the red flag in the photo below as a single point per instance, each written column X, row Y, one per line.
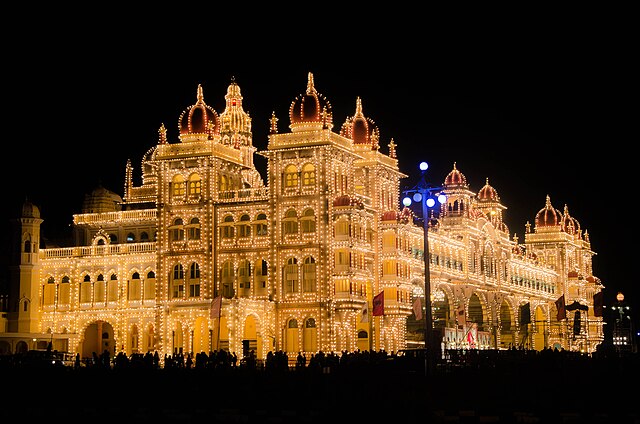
column 417, row 308
column 378, row 304
column 216, row 307
column 560, row 306
column 598, row 303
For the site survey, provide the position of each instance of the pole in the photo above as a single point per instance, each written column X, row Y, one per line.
column 429, row 343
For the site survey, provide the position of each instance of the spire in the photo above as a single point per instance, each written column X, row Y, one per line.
column 274, row 123
column 392, row 149
column 162, row 134
column 128, row 180
column 310, row 87
column 200, row 95
column 547, row 202
column 359, row 107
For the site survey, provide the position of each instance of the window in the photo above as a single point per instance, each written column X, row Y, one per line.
column 193, row 231
column 224, row 183
column 195, row 185
column 261, row 225
column 244, row 227
column 308, row 221
column 176, row 230
column 177, row 186
column 308, row 175
column 309, row 275
column 291, row 276
column 131, row 238
column 177, row 281
column 244, row 275
column 291, row 176
column 290, row 222
column 144, row 236
column 342, row 228
column 226, row 229
column 194, row 280
column 261, row 270
column 227, row 277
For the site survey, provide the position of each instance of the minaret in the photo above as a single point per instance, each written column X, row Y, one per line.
column 24, row 286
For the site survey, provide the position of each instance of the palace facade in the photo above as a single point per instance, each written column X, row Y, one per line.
column 203, row 255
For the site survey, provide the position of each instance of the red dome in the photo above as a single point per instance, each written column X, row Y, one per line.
column 572, row 274
column 360, row 129
column 548, row 216
column 310, row 107
column 199, row 118
column 488, row 193
column 343, row 200
column 569, row 224
column 455, row 178
column 390, row 216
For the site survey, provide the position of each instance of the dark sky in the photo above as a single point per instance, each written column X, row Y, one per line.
column 538, row 109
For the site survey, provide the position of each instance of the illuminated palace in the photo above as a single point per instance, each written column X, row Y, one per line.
column 296, row 261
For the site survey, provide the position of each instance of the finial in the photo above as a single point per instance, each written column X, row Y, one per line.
column 528, row 226
column 233, row 79
column 325, row 124
column 162, row 132
column 454, row 165
column 392, row 149
column 310, row 87
column 358, row 107
column 274, row 123
column 487, row 181
column 200, row 96
column 548, row 201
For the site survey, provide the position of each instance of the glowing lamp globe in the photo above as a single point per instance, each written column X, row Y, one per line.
column 417, row 197
column 424, row 166
column 430, row 202
column 406, row 201
column 442, row 198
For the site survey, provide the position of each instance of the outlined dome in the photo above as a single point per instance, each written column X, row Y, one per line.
column 311, row 107
column 29, row 210
column 548, row 216
column 234, row 118
column 199, row 120
column 569, row 224
column 360, row 129
column 101, row 200
column 390, row 216
column 488, row 193
column 455, row 178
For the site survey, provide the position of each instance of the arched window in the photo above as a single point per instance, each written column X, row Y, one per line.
column 194, row 280
column 176, row 230
column 150, row 286
column 309, row 275
column 244, row 226
column 131, row 238
column 291, row 276
column 291, row 176
column 227, row 278
column 177, row 186
column 309, row 335
column 195, row 185
column 85, row 289
column 177, row 282
column 224, row 183
column 193, row 230
column 261, row 225
column 113, row 238
column 308, row 221
column 290, row 222
column 226, row 229
column 308, row 174
column 27, row 246
column 134, row 287
column 144, row 237
column 151, row 274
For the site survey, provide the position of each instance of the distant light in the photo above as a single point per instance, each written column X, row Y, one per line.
column 620, row 297
column 424, row 166
column 442, row 198
column 430, row 202
column 417, row 197
column 406, row 201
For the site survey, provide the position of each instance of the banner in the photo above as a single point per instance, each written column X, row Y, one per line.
column 598, row 304
column 365, row 312
column 378, row 304
column 216, row 307
column 417, row 308
column 460, row 316
column 560, row 306
column 525, row 314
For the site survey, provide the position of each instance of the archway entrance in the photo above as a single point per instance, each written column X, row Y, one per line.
column 98, row 337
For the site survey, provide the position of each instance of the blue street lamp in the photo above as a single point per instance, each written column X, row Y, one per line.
column 428, row 196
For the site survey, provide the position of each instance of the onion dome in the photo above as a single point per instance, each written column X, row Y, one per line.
column 199, row 121
column 572, row 274
column 548, row 216
column 310, row 110
column 234, row 119
column 362, row 130
column 347, row 201
column 29, row 210
column 390, row 216
column 455, row 178
column 101, row 200
column 569, row 224
column 488, row 193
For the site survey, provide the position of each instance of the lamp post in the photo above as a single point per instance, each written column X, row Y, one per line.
column 428, row 197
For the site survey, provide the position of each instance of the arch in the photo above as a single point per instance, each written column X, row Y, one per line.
column 309, row 275
column 244, row 226
column 292, row 336
column 308, row 221
column 176, row 230
column 227, row 230
column 291, row 176
column 507, row 330
column 193, row 229
column 540, row 329
column 290, row 276
column 176, row 279
column 261, row 228
column 250, row 336
column 308, row 174
column 195, row 185
column 97, row 340
column 178, row 186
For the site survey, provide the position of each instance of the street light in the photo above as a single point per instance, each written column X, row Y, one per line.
column 428, row 196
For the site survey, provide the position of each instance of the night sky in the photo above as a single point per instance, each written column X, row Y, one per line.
column 538, row 110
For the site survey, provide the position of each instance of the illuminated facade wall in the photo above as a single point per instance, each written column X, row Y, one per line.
column 296, row 260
